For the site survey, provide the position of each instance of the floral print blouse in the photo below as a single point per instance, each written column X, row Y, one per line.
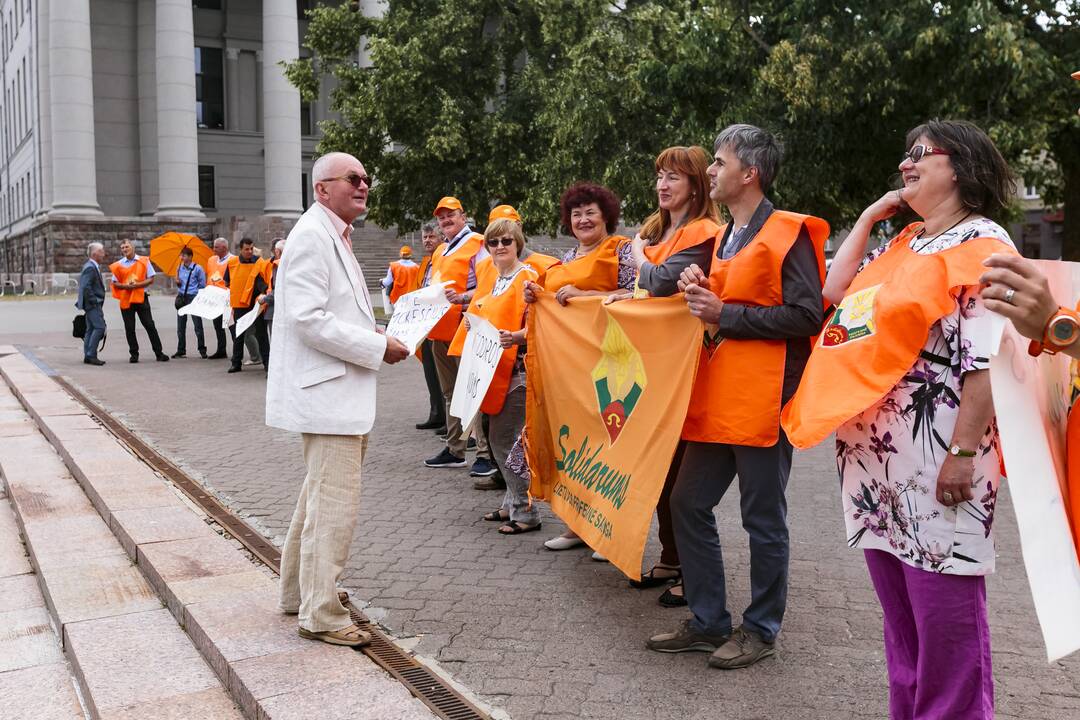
column 889, row 455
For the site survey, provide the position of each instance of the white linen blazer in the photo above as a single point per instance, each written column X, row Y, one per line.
column 325, row 350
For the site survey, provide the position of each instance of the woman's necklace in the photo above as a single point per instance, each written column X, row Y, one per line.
column 927, row 243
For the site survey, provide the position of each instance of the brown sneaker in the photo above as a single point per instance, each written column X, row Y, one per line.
column 743, row 649
column 351, row 636
column 492, row 482
column 685, row 639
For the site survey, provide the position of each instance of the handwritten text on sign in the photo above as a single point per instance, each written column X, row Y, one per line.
column 479, row 359
column 211, row 302
column 416, row 313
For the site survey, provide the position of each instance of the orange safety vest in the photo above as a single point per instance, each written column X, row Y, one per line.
column 404, row 279
column 418, row 281
column 739, row 383
column 455, row 269
column 486, row 275
column 875, row 335
column 541, row 264
column 595, row 270
column 136, row 272
column 215, row 270
column 506, row 311
column 242, row 280
column 688, row 236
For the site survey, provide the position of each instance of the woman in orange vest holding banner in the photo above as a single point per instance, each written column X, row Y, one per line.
column 503, row 305
column 681, row 233
column 601, row 264
column 900, row 374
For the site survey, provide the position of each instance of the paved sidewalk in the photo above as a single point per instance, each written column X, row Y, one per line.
column 543, row 634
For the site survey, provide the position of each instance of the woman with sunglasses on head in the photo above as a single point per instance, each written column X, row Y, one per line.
column 900, row 373
column 504, row 404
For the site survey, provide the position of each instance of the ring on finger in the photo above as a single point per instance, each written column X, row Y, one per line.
column 1009, row 294
column 947, row 497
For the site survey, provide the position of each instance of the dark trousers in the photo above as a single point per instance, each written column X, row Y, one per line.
column 259, row 328
column 181, row 329
column 95, row 330
column 219, row 331
column 431, row 377
column 706, row 472
column 142, row 310
column 669, row 554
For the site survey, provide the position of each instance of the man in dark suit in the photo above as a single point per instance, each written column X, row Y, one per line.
column 91, row 300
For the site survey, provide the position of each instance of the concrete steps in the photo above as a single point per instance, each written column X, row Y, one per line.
column 114, row 542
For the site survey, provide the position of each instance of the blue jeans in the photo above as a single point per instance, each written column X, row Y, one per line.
column 95, row 330
column 705, row 474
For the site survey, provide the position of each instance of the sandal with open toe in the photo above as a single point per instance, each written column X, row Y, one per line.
column 496, row 516
column 670, row 599
column 652, row 580
column 516, row 528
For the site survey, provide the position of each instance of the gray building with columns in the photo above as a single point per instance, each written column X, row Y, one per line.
column 128, row 118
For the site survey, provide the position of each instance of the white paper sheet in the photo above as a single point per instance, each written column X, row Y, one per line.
column 479, row 359
column 210, row 302
column 248, row 319
column 416, row 313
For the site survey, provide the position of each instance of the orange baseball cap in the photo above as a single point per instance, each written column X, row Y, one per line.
column 405, row 251
column 504, row 211
column 447, row 203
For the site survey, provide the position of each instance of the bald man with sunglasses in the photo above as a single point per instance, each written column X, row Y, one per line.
column 327, row 349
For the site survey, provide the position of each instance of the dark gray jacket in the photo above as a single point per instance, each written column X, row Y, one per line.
column 91, row 288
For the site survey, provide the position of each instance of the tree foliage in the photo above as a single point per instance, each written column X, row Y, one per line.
column 512, row 101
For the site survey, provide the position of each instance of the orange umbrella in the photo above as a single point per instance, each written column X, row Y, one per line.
column 165, row 251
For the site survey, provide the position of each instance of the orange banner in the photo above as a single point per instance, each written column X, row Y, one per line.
column 608, row 388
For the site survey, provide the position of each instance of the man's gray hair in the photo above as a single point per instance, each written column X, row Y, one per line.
column 323, row 168
column 92, row 247
column 755, row 148
column 429, row 228
column 221, row 241
column 277, row 241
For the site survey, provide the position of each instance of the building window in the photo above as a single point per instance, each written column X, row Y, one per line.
column 206, row 187
column 305, row 118
column 304, row 190
column 302, row 8
column 206, row 4
column 209, row 89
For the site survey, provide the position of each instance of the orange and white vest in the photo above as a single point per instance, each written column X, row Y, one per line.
column 404, row 279
column 453, row 268
column 136, row 272
column 215, row 270
column 506, row 311
column 875, row 335
column 739, row 384
column 688, row 236
column 596, row 270
column 242, row 280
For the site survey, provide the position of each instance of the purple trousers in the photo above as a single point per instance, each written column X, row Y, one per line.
column 937, row 641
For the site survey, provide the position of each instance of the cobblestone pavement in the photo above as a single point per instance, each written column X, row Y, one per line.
column 536, row 633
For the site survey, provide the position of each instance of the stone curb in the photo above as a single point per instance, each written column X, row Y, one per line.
column 224, row 601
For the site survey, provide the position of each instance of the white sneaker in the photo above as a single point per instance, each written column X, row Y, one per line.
column 563, row 543
column 253, row 362
column 598, row 557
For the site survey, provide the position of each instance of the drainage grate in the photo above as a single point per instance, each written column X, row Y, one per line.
column 433, row 691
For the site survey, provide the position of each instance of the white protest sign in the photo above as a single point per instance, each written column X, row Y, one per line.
column 248, row 319
column 416, row 313
column 211, row 302
column 479, row 359
column 1031, row 400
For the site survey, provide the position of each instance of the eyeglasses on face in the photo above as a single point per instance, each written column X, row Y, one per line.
column 353, row 179
column 495, row 242
column 918, row 152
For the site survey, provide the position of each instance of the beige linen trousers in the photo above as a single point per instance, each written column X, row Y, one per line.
column 317, row 544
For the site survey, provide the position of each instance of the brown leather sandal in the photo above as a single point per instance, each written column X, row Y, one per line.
column 351, row 636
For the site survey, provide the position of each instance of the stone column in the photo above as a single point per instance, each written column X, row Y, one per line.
column 281, row 110
column 71, row 90
column 148, row 137
column 177, row 135
column 232, row 88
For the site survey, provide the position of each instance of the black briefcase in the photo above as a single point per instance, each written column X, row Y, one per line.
column 78, row 326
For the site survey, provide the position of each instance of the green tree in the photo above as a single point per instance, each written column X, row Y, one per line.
column 511, row 102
